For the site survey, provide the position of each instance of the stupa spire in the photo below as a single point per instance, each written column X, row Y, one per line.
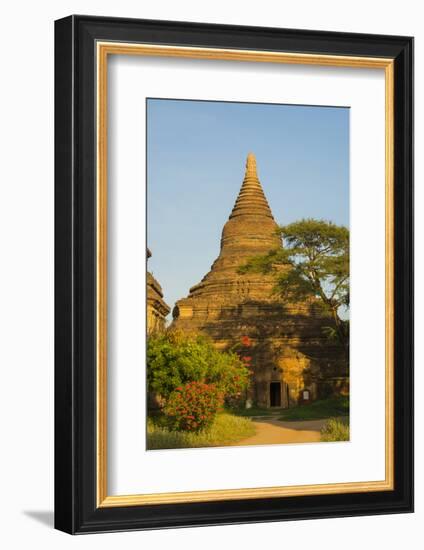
column 251, row 199
column 251, row 165
column 250, row 231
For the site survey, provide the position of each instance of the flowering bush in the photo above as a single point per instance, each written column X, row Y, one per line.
column 193, row 407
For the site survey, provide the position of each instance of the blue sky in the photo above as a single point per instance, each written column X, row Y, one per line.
column 196, row 154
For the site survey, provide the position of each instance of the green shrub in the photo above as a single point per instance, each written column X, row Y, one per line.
column 174, row 359
column 193, row 407
column 335, row 430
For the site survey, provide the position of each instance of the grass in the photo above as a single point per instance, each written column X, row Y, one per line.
column 335, row 430
column 325, row 408
column 226, row 430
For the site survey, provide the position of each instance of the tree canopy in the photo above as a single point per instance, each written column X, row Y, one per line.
column 313, row 262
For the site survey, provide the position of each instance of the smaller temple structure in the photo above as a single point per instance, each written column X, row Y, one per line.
column 157, row 308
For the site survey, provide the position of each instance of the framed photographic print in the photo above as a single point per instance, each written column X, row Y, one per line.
column 233, row 268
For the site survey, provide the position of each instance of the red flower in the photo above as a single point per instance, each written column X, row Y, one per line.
column 246, row 341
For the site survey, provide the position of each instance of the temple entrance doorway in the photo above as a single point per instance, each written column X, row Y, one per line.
column 275, row 394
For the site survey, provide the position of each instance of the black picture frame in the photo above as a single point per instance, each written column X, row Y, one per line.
column 76, row 510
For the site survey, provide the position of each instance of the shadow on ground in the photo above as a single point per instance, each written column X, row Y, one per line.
column 46, row 517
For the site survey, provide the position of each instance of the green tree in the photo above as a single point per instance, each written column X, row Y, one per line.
column 313, row 262
column 174, row 359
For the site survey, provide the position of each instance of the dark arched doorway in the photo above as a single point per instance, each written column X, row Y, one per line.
column 275, row 394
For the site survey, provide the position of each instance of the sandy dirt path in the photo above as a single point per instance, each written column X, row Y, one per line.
column 270, row 431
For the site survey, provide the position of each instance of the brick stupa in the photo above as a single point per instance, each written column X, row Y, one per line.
column 291, row 358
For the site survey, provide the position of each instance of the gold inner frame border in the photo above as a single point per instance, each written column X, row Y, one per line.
column 103, row 50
